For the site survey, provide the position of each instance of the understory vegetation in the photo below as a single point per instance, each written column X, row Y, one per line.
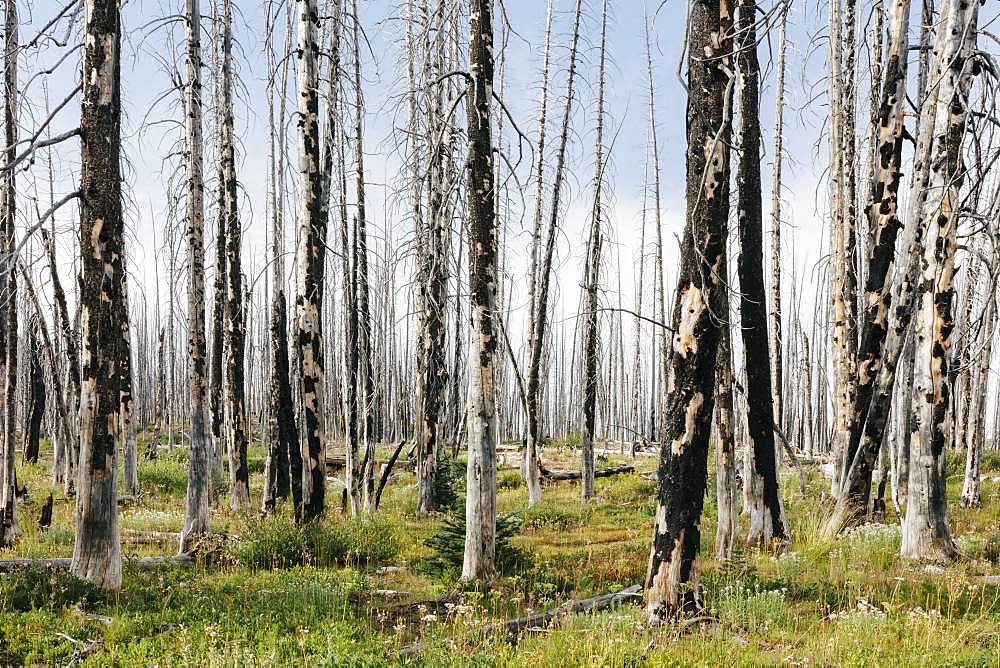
column 385, row 590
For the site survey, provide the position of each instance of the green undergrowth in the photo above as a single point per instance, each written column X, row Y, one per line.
column 280, row 594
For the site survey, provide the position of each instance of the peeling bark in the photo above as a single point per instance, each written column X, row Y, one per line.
column 97, row 549
column 767, row 523
column 199, row 468
column 479, row 562
column 310, row 257
column 671, row 580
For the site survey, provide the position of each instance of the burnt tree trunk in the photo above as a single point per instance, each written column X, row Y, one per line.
column 310, row 257
column 882, row 212
column 683, row 470
column 97, row 549
column 199, row 465
column 479, row 562
column 36, row 397
column 234, row 317
column 8, row 284
column 926, row 533
column 767, row 515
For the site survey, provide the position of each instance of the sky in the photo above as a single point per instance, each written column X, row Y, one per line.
column 153, row 41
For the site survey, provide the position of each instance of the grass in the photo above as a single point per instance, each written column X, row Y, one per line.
column 278, row 594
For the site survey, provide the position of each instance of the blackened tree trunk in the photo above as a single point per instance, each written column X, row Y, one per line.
column 199, row 465
column 727, row 489
column 432, row 285
column 127, row 400
column 284, row 460
column 310, row 257
column 479, row 561
column 97, row 550
column 36, row 397
column 592, row 276
column 683, row 470
column 8, row 284
column 234, row 318
column 767, row 516
column 542, row 268
column 926, row 533
column 882, row 211
column 363, row 330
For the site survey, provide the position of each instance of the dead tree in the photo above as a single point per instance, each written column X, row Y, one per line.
column 199, row 466
column 726, row 485
column 36, row 395
column 926, row 533
column 479, row 561
column 531, row 470
column 97, row 550
column 284, row 459
column 233, row 312
column 683, row 469
column 844, row 276
column 543, row 269
column 767, row 514
column 310, row 259
column 882, row 211
column 8, row 283
column 779, row 127
column 592, row 276
column 434, row 235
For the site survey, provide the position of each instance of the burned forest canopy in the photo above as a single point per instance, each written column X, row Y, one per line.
column 428, row 298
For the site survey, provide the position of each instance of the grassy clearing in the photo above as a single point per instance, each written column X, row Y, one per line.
column 278, row 594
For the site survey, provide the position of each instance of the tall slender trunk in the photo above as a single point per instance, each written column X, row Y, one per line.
column 592, row 276
column 97, row 549
column 365, row 370
column 479, row 562
column 882, row 211
column 683, row 470
column 663, row 351
column 542, row 269
column 234, row 316
column 432, row 282
column 36, row 395
column 974, row 444
column 310, row 257
column 844, row 277
column 532, row 473
column 779, row 127
column 767, row 516
column 199, row 460
column 926, row 533
column 727, row 491
column 8, row 284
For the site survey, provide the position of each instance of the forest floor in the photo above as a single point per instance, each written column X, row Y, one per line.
column 274, row 594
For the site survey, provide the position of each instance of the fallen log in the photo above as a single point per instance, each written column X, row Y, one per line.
column 140, row 537
column 552, row 617
column 63, row 563
column 555, row 474
column 386, row 470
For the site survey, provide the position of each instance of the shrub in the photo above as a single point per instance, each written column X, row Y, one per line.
column 509, row 480
column 447, row 544
column 449, row 485
column 276, row 543
column 269, row 543
column 39, row 587
column 367, row 540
